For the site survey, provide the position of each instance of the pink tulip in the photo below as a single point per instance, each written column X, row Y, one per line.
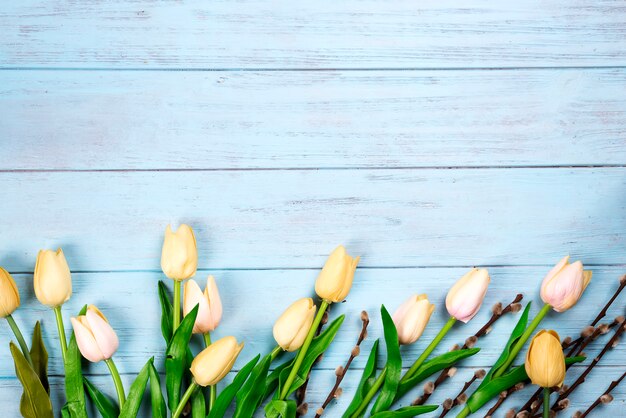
column 95, row 338
column 466, row 296
column 564, row 284
column 412, row 317
column 210, row 305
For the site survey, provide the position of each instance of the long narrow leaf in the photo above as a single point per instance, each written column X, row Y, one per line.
column 35, row 401
column 40, row 357
column 159, row 409
column 406, row 412
column 135, row 394
column 250, row 395
column 227, row 395
column 104, row 405
column 367, row 379
column 198, row 405
column 271, row 383
column 284, row 409
column 177, row 358
column 393, row 366
column 166, row 313
column 74, row 390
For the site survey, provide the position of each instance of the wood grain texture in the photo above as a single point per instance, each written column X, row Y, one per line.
column 293, row 219
column 235, row 120
column 311, row 34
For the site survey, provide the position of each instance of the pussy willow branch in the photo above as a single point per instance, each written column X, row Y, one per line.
column 461, row 397
column 574, row 346
column 604, row 398
column 301, row 391
column 497, row 312
column 341, row 371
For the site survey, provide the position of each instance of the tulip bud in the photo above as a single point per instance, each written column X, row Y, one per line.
column 564, row 284
column 53, row 281
column 179, row 257
column 209, row 305
column 9, row 296
column 294, row 324
column 412, row 317
column 215, row 361
column 96, row 339
column 335, row 280
column 545, row 362
column 465, row 297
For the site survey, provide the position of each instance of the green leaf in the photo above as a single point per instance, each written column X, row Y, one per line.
column 367, row 380
column 166, row 313
column 394, row 365
column 271, row 383
column 225, row 398
column 484, row 394
column 317, row 348
column 74, row 389
column 40, row 357
column 159, row 409
column 65, row 411
column 35, row 401
column 106, row 407
column 285, row 409
column 135, row 394
column 406, row 412
column 198, row 405
column 434, row 365
column 251, row 394
column 177, row 360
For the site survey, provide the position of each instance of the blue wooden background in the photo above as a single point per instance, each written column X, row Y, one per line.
column 426, row 136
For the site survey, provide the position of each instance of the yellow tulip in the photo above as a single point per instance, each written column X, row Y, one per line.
column 545, row 362
column 294, row 324
column 179, row 257
column 335, row 280
column 53, row 281
column 215, row 361
column 412, row 317
column 564, row 284
column 9, row 296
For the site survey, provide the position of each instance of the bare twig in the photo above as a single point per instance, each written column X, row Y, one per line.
column 497, row 312
column 604, row 398
column 461, row 397
column 340, row 372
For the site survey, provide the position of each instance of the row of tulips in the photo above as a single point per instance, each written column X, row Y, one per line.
column 299, row 329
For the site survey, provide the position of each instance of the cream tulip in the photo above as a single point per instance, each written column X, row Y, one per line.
column 209, row 305
column 53, row 281
column 466, row 296
column 294, row 324
column 564, row 284
column 412, row 317
column 9, row 296
column 215, row 361
column 545, row 361
column 179, row 257
column 96, row 339
column 335, row 280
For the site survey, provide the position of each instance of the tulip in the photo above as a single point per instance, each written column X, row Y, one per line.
column 412, row 317
column 9, row 296
column 335, row 280
column 545, row 362
column 294, row 324
column 97, row 341
column 466, row 296
column 564, row 284
column 215, row 361
column 179, row 257
column 209, row 305
column 53, row 281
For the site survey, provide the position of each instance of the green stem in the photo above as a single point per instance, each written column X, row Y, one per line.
column 370, row 395
column 546, row 402
column 117, row 381
column 302, row 352
column 465, row 412
column 433, row 344
column 190, row 390
column 522, row 340
column 213, row 388
column 275, row 352
column 176, row 310
column 207, row 339
column 61, row 330
column 20, row 338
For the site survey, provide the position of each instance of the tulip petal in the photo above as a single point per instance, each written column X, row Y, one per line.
column 212, row 295
column 193, row 296
column 86, row 342
column 103, row 333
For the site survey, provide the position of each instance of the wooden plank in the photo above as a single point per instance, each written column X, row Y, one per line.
column 293, row 219
column 309, row 34
column 251, row 305
column 233, row 120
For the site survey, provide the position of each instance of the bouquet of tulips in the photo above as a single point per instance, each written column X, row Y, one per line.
column 274, row 382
